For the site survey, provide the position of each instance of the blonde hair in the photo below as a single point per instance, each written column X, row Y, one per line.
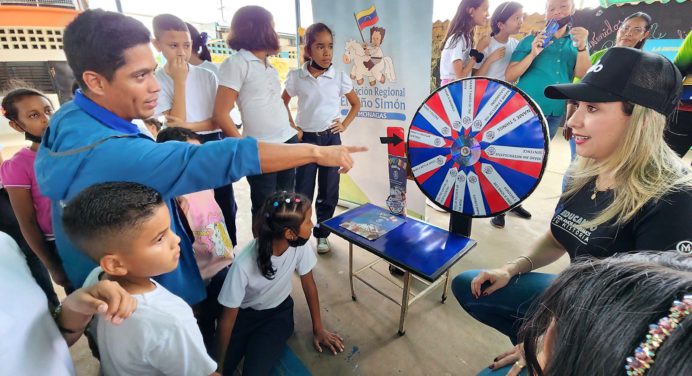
column 644, row 167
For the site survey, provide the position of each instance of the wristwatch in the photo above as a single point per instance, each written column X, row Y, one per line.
column 56, row 315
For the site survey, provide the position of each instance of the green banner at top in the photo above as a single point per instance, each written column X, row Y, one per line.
column 607, row 3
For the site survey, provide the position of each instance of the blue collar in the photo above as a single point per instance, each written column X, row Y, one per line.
column 104, row 116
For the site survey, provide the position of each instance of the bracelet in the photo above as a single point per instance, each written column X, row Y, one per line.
column 516, row 262
column 56, row 315
column 582, row 50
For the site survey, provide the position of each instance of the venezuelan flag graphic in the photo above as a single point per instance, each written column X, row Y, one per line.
column 367, row 17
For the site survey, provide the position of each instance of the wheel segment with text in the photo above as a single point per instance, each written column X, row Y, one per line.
column 478, row 146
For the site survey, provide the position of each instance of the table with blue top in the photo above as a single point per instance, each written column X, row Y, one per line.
column 421, row 250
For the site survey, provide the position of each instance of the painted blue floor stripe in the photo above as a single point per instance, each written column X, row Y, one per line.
column 290, row 365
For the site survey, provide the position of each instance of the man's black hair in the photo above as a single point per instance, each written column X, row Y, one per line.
column 96, row 41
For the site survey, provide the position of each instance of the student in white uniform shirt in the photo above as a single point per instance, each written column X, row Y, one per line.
column 258, row 316
column 201, row 57
column 506, row 20
column 187, row 92
column 456, row 58
column 250, row 80
column 31, row 341
column 125, row 228
column 320, row 88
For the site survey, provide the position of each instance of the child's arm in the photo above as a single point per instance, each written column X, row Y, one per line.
column 23, row 207
column 321, row 335
column 221, row 119
column 177, row 69
column 287, row 98
column 489, row 60
column 223, row 331
column 463, row 69
column 197, row 126
column 339, row 126
column 106, row 298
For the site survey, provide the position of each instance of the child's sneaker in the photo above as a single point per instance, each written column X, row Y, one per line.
column 323, row 246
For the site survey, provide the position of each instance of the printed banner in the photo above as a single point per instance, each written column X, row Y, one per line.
column 385, row 48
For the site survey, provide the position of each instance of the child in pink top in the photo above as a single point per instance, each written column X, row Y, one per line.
column 28, row 112
column 211, row 243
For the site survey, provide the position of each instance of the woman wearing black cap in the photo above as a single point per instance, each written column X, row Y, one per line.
column 627, row 189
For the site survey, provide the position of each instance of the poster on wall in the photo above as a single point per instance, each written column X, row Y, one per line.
column 385, row 48
column 670, row 20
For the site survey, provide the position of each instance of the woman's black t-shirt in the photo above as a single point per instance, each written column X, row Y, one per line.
column 662, row 224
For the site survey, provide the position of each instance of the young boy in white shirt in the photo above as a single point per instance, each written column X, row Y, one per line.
column 125, row 227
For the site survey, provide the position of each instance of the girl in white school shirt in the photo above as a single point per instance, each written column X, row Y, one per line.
column 250, row 80
column 319, row 88
column 456, row 59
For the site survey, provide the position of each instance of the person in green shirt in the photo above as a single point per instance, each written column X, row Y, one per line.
column 678, row 134
column 633, row 32
column 565, row 57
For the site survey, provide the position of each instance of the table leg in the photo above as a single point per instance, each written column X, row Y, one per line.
column 446, row 287
column 350, row 270
column 404, row 302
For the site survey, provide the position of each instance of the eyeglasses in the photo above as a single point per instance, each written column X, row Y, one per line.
column 633, row 30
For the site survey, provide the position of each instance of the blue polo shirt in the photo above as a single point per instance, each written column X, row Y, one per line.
column 86, row 144
column 554, row 65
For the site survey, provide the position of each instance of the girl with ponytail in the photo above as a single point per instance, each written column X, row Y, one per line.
column 258, row 310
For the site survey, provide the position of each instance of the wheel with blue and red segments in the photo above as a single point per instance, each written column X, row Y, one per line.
column 478, row 146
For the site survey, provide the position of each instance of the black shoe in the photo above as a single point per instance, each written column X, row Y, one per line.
column 393, row 270
column 521, row 212
column 498, row 221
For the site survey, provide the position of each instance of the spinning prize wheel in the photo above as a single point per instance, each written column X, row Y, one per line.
column 478, row 146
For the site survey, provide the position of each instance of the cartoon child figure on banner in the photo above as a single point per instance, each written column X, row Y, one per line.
column 368, row 59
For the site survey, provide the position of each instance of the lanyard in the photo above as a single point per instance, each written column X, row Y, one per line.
column 101, row 114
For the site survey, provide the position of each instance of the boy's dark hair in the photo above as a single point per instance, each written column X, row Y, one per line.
column 96, row 41
column 108, row 213
column 167, row 22
column 199, row 43
column 381, row 30
column 252, row 30
column 177, row 134
column 311, row 35
column 9, row 110
column 281, row 211
column 501, row 14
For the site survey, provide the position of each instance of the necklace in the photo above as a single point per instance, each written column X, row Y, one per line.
column 595, row 189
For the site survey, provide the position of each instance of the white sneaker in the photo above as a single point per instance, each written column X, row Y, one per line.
column 323, row 246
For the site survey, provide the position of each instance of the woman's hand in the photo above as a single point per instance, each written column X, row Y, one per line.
column 515, row 355
column 537, row 44
column 498, row 279
column 330, row 340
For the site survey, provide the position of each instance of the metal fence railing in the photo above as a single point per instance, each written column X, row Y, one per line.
column 41, row 3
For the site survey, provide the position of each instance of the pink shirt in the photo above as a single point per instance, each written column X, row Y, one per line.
column 212, row 245
column 18, row 172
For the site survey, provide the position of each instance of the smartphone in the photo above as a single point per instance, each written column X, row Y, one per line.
column 552, row 27
column 549, row 30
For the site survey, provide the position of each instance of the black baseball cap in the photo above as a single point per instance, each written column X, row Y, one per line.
column 627, row 74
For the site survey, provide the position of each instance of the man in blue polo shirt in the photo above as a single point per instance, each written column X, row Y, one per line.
column 92, row 140
column 564, row 58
